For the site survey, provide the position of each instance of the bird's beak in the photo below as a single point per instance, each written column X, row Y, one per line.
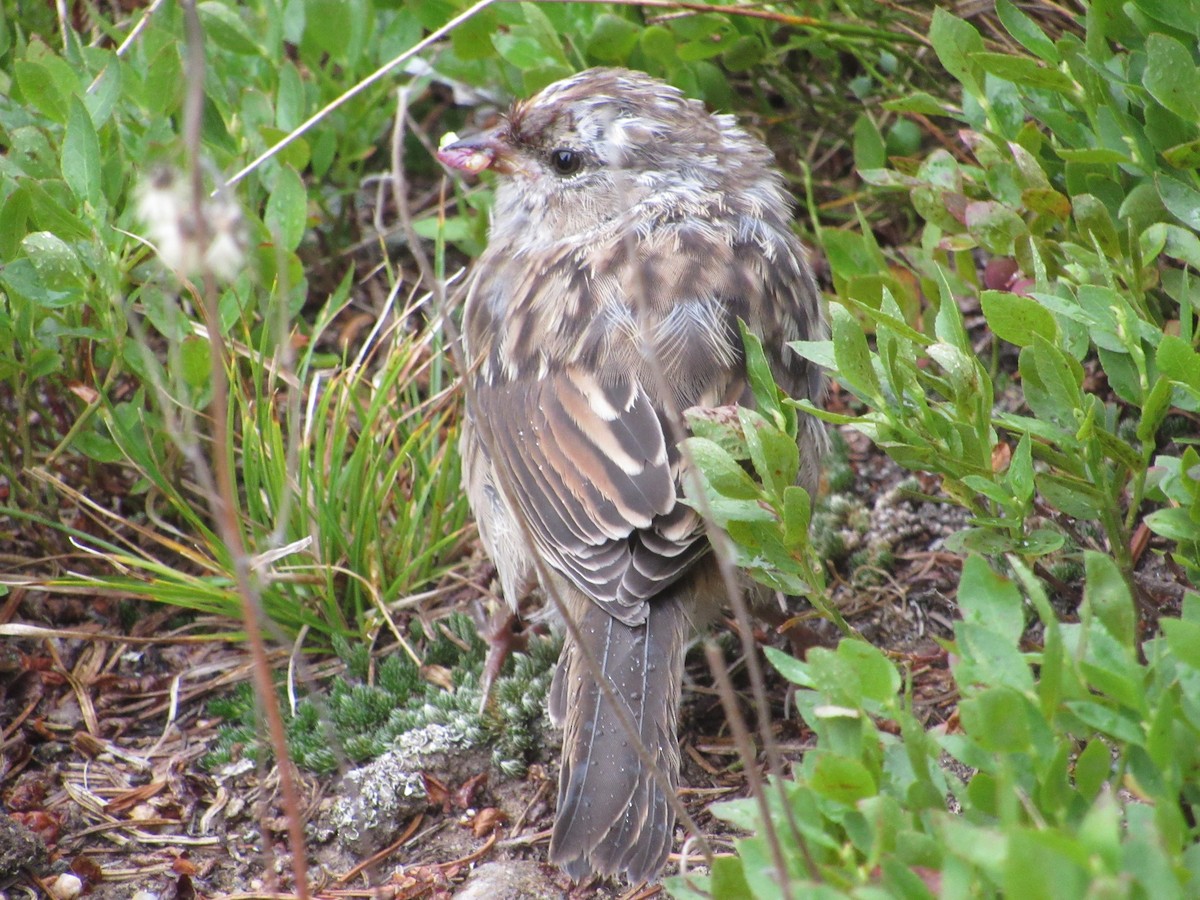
column 474, row 154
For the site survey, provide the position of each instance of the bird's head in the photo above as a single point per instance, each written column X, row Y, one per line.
column 591, row 148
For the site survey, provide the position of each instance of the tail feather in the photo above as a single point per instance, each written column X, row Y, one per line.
column 613, row 816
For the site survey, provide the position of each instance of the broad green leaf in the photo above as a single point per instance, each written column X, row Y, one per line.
column 1171, row 76
column 794, row 670
column 956, row 42
column 1116, row 724
column 195, row 359
column 228, row 30
column 286, row 215
column 869, row 149
column 1017, row 318
column 797, row 516
column 1182, row 200
column 842, row 778
column 473, row 38
column 877, row 676
column 81, row 155
column 612, row 39
column 852, row 355
column 722, row 471
column 1023, row 71
column 1154, row 410
column 290, row 103
column 58, row 266
column 1182, row 14
column 919, row 103
column 1019, row 477
column 774, row 453
column 1178, row 361
column 1072, row 496
column 1107, row 595
column 39, row 87
column 997, row 718
column 1183, row 638
column 1093, row 767
column 101, row 101
column 1045, row 863
column 988, row 659
column 1026, row 31
column 1094, row 221
column 995, row 226
column 958, row 366
column 990, row 600
column 1174, row 523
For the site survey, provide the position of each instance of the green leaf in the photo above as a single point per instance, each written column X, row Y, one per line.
column 956, row 42
column 101, row 449
column 997, row 718
column 57, row 264
column 473, row 38
column 229, row 31
column 1115, row 723
column 789, row 667
column 14, row 219
column 767, row 396
column 852, row 355
column 1026, row 31
column 869, row 149
column 81, row 155
column 722, row 471
column 612, row 39
column 1174, row 523
column 286, row 215
column 1183, row 639
column 1017, row 318
column 1093, row 768
column 1052, row 382
column 101, row 101
column 523, row 51
column 1107, row 595
column 1171, row 76
column 877, row 676
column 842, row 779
column 1178, row 361
column 775, row 455
column 1019, row 477
column 990, row 600
column 1076, row 498
column 797, row 516
column 38, row 86
column 195, row 361
column 1023, row 71
column 1093, row 219
column 1181, row 200
column 1154, row 410
column 919, row 103
column 729, row 878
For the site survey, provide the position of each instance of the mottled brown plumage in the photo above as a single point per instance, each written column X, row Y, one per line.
column 630, row 232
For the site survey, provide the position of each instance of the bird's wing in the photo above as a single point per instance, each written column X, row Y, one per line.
column 586, row 464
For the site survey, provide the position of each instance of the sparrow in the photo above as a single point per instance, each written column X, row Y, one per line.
column 631, row 229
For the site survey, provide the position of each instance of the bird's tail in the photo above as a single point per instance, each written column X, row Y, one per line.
column 613, row 816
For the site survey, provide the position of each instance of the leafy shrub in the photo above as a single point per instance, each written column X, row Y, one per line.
column 1084, row 761
column 1074, row 765
column 1080, row 194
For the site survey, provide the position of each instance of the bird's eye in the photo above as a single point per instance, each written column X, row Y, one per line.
column 565, row 162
